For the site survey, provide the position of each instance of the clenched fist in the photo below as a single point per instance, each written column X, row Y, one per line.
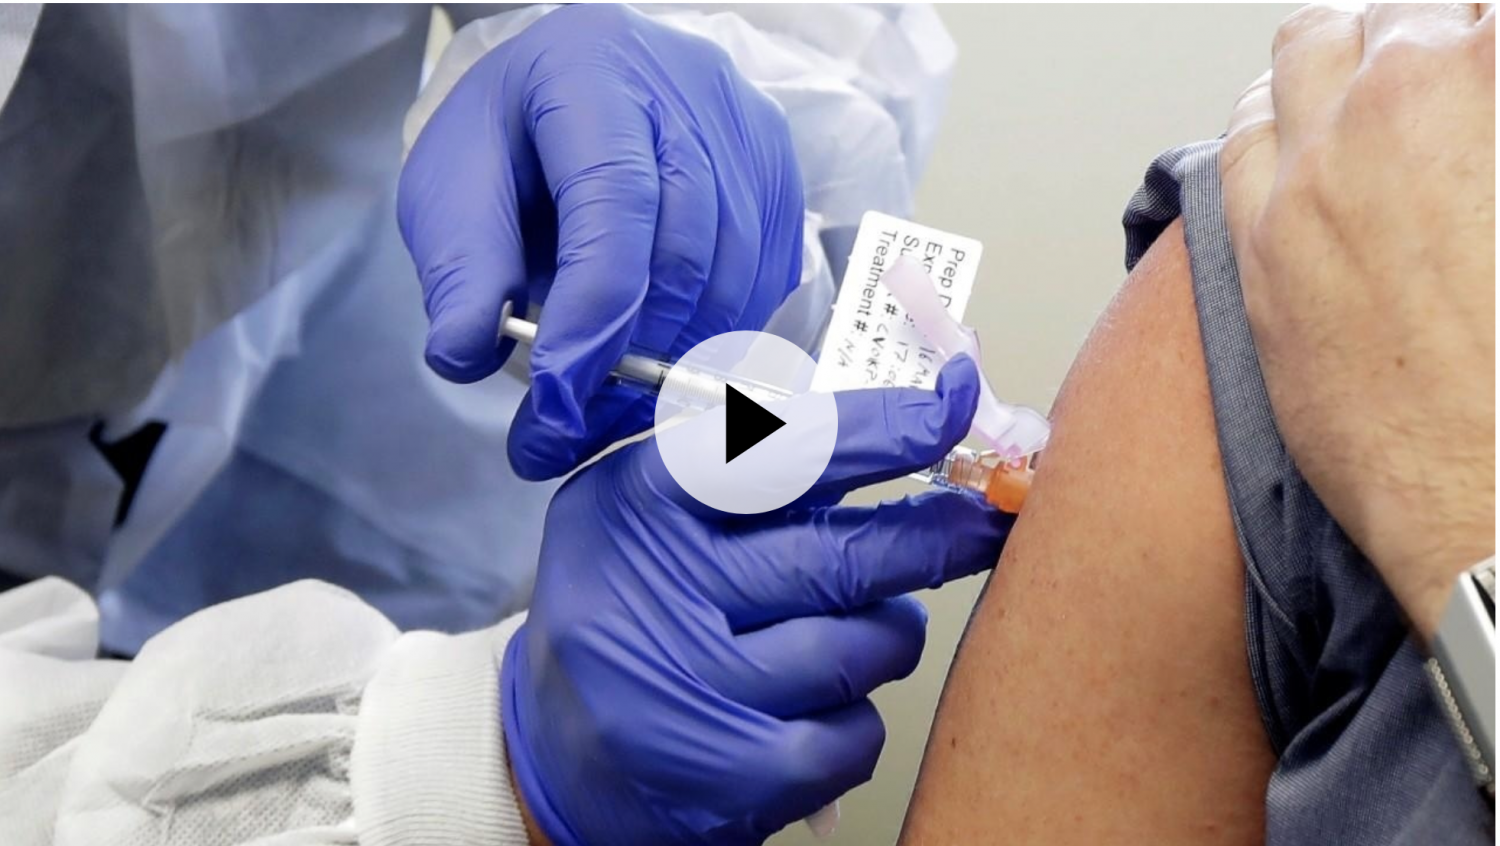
column 1359, row 186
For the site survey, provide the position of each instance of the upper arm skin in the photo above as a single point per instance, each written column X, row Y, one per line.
column 1102, row 692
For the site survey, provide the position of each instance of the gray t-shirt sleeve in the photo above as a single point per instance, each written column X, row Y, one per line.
column 1364, row 756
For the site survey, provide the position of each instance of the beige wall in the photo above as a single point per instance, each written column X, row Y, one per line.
column 1055, row 112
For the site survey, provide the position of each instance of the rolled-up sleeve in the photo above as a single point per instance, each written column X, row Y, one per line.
column 1364, row 755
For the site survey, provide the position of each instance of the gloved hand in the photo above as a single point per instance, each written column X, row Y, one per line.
column 686, row 676
column 625, row 175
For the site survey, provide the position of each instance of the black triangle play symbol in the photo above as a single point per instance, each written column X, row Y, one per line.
column 745, row 423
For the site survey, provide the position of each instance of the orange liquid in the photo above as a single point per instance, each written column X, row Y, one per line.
column 1009, row 484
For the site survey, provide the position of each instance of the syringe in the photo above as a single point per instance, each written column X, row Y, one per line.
column 695, row 388
column 1004, row 482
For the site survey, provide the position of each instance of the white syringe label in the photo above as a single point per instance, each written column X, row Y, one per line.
column 871, row 342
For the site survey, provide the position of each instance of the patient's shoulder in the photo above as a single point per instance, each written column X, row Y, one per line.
column 1102, row 691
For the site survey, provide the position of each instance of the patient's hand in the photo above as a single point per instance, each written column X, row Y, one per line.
column 1359, row 185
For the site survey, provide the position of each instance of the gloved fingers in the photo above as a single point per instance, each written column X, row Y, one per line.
column 597, row 149
column 737, row 255
column 777, row 274
column 458, row 210
column 883, row 434
column 615, row 413
column 781, row 206
column 683, row 252
column 811, row 664
column 888, row 433
column 750, row 262
column 680, row 259
column 731, row 276
column 820, row 758
column 836, row 560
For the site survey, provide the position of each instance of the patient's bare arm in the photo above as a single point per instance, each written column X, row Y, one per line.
column 1102, row 692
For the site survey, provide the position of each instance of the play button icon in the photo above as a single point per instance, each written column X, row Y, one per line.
column 738, row 426
column 745, row 423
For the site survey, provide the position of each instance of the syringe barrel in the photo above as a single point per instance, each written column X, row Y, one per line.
column 687, row 387
column 645, row 373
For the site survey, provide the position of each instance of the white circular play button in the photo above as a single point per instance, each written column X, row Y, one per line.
column 738, row 427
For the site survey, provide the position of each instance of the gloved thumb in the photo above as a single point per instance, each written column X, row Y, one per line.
column 883, row 434
column 538, row 450
column 457, row 207
column 887, row 433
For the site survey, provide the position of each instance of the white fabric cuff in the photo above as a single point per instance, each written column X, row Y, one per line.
column 429, row 763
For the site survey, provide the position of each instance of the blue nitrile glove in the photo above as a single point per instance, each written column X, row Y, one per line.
column 692, row 677
column 621, row 172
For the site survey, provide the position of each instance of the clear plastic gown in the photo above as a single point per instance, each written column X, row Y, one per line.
column 197, row 228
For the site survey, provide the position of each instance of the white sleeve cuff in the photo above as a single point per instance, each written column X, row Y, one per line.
column 429, row 763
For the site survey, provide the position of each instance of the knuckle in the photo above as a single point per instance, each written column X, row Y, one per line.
column 866, row 750
column 1253, row 92
column 787, row 757
column 440, row 273
column 910, row 616
column 912, row 623
column 920, row 422
column 629, row 177
column 608, row 14
column 1402, row 55
column 1242, row 142
column 802, row 761
column 1288, row 30
column 770, row 117
column 1484, row 32
column 1308, row 20
column 852, row 579
column 1398, row 68
column 616, row 731
column 566, row 639
column 908, row 625
column 709, row 52
column 1480, row 48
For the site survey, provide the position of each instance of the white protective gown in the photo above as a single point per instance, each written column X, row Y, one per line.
column 197, row 228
